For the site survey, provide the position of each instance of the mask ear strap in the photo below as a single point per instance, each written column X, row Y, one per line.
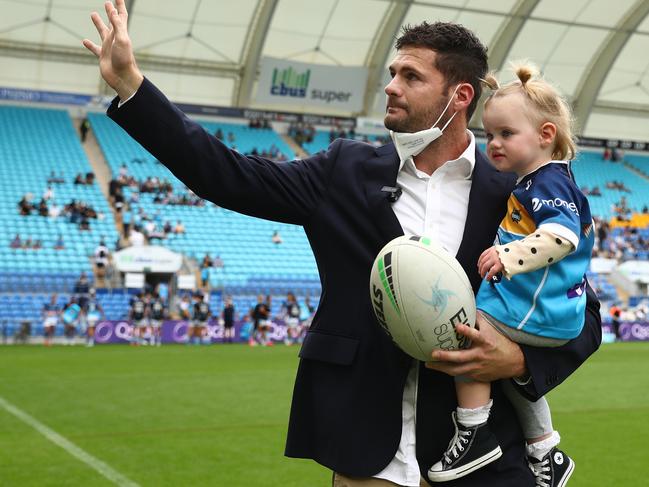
column 446, row 108
column 449, row 121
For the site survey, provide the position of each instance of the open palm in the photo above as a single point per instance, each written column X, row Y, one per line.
column 116, row 60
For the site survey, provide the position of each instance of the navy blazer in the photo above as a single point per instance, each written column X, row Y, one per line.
column 346, row 410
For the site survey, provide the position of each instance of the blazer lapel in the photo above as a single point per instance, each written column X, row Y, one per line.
column 487, row 206
column 382, row 171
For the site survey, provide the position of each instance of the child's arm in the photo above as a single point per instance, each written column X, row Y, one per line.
column 537, row 250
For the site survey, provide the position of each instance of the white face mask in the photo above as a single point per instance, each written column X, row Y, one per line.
column 412, row 144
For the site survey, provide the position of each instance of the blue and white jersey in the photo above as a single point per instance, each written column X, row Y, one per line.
column 71, row 314
column 93, row 313
column 551, row 301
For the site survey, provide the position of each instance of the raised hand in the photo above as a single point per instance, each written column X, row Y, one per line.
column 116, row 60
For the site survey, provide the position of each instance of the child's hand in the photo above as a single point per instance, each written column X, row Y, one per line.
column 489, row 264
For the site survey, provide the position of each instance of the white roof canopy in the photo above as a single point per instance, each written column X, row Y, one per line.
column 208, row 51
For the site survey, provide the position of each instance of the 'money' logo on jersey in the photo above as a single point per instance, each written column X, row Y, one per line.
column 554, row 203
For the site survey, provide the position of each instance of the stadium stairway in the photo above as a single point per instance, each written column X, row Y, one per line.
column 299, row 151
column 96, row 158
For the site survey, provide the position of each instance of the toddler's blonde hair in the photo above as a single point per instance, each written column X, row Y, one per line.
column 545, row 101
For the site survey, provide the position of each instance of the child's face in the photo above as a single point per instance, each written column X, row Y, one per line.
column 514, row 144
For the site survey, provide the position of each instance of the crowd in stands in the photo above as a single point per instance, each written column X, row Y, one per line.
column 25, row 244
column 301, row 132
column 34, row 244
column 628, row 244
column 619, row 185
column 272, row 153
column 87, row 179
column 77, row 212
column 257, row 123
column 595, row 191
column 613, row 155
column 162, row 189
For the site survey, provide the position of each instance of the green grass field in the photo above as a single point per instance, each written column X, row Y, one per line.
column 176, row 416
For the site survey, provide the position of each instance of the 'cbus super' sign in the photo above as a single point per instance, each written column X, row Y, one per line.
column 295, row 83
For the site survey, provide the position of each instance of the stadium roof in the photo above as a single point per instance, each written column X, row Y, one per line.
column 208, row 51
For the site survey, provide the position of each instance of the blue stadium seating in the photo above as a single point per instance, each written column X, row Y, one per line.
column 244, row 243
column 36, row 142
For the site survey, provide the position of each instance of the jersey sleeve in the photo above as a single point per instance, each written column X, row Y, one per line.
column 555, row 204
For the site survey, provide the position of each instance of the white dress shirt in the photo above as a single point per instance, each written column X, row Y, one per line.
column 435, row 206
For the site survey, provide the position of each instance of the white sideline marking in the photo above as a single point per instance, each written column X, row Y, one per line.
column 101, row 467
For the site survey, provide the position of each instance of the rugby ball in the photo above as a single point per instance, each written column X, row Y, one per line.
column 419, row 294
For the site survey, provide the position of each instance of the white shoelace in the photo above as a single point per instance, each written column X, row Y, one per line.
column 539, row 469
column 456, row 445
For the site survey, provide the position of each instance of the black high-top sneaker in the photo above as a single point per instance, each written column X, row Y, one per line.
column 553, row 470
column 471, row 448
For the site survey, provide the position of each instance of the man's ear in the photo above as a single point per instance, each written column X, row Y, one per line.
column 548, row 133
column 463, row 97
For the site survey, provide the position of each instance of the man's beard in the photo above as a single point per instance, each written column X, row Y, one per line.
column 419, row 121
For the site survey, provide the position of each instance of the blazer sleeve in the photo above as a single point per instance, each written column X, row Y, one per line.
column 549, row 367
column 281, row 191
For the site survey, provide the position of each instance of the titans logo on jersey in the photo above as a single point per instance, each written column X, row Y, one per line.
column 550, row 301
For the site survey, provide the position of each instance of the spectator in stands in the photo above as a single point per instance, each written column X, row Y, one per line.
column 54, row 210
column 25, row 206
column 218, row 263
column 118, row 199
column 206, row 262
column 16, row 243
column 102, row 260
column 84, row 223
column 595, row 191
column 645, row 209
column 617, row 155
column 84, row 127
column 48, row 194
column 219, row 134
column 606, row 155
column 38, row 244
column 90, row 178
column 43, row 210
column 179, row 228
column 79, row 179
column 123, row 170
column 27, row 244
column 136, row 238
column 59, row 244
column 231, row 138
column 54, row 179
column 127, row 218
column 276, row 238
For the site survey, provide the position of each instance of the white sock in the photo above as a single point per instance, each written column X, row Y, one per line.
column 473, row 417
column 541, row 448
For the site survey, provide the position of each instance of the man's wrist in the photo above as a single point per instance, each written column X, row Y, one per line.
column 128, row 85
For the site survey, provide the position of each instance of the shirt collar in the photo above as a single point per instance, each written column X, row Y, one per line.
column 537, row 168
column 464, row 164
